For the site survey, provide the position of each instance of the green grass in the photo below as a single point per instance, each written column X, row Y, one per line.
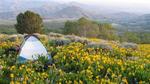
column 7, row 26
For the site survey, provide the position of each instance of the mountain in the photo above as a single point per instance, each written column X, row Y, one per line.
column 49, row 9
column 135, row 23
column 46, row 8
column 142, row 21
column 14, row 7
column 52, row 9
column 71, row 12
column 122, row 18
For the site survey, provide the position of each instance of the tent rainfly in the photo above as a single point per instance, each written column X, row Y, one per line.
column 31, row 48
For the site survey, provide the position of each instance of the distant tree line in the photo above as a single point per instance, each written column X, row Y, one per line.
column 30, row 22
column 136, row 37
column 88, row 28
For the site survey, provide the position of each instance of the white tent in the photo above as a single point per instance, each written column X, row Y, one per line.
column 31, row 49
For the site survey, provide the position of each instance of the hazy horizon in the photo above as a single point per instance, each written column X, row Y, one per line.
column 132, row 6
column 138, row 6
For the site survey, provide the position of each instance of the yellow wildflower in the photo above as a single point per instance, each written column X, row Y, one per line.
column 12, row 75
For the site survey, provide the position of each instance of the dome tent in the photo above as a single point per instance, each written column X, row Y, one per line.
column 31, row 48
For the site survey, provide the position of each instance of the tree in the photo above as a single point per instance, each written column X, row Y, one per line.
column 82, row 27
column 130, row 37
column 71, row 28
column 29, row 22
column 107, row 31
column 87, row 28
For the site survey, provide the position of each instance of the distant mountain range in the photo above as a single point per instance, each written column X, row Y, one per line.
column 47, row 9
column 50, row 9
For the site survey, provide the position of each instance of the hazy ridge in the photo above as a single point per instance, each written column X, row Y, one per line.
column 53, row 10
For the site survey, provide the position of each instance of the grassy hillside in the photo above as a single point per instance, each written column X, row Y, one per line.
column 7, row 26
column 77, row 60
column 54, row 25
column 124, row 33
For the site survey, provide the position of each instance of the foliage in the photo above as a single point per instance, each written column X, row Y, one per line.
column 71, row 28
column 130, row 37
column 129, row 45
column 82, row 27
column 76, row 64
column 87, row 28
column 29, row 22
column 136, row 37
column 107, row 32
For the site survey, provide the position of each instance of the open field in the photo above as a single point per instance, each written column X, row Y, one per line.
column 77, row 61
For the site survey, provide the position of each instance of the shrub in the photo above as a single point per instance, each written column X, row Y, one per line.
column 129, row 45
column 103, row 46
column 29, row 22
column 56, row 35
column 59, row 42
column 74, row 38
